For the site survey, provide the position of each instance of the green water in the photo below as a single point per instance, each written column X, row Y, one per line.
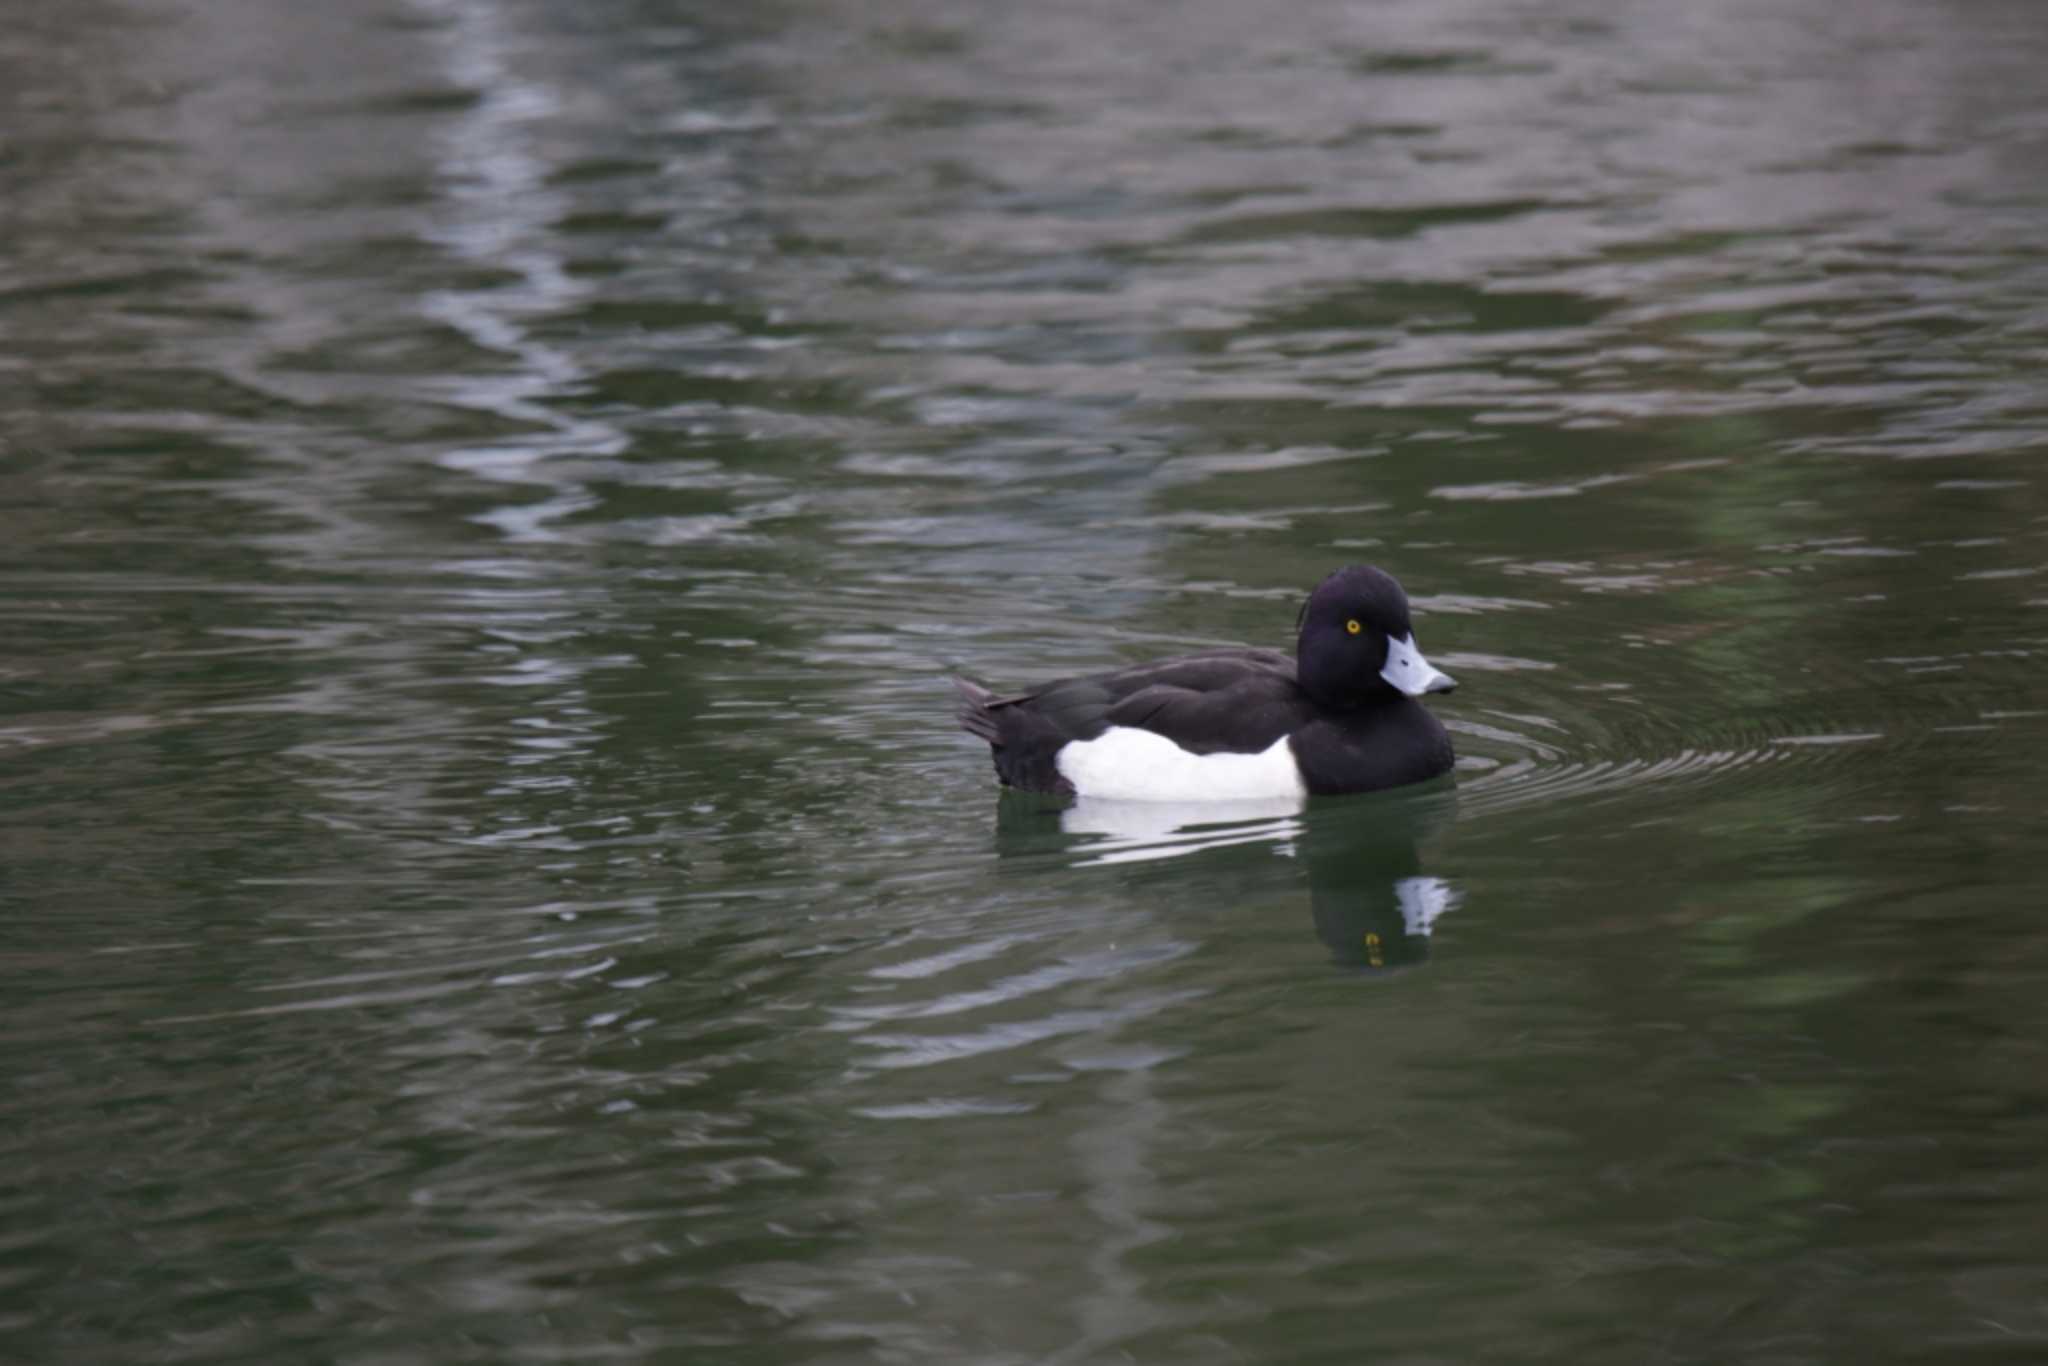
column 490, row 491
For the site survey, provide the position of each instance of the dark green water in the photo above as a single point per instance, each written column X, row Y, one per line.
column 490, row 489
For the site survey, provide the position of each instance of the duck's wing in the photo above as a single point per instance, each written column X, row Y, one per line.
column 1215, row 701
column 1244, row 717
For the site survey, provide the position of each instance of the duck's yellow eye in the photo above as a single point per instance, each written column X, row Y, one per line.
column 1353, row 627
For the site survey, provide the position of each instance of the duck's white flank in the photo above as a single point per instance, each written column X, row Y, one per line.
column 1135, row 765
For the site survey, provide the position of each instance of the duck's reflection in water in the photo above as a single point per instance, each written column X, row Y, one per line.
column 1372, row 903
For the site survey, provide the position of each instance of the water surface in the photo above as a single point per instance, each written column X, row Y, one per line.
column 490, row 491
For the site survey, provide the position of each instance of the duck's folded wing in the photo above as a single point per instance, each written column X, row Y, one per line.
column 1211, row 671
column 1192, row 693
column 1243, row 719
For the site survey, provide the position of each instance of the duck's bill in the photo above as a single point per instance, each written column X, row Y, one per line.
column 1407, row 670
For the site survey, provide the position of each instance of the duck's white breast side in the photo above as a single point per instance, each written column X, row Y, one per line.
column 1143, row 766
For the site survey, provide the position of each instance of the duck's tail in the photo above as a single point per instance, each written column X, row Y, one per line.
column 973, row 710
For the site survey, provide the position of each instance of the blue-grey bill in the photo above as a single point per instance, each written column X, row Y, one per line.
column 1407, row 670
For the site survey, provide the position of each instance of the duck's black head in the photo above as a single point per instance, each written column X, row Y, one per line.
column 1356, row 644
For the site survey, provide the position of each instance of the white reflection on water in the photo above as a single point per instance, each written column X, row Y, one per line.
column 1135, row 832
column 1422, row 900
column 498, row 212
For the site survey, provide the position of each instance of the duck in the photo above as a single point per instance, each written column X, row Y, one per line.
column 1342, row 714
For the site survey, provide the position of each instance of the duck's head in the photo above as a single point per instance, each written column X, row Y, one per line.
column 1356, row 644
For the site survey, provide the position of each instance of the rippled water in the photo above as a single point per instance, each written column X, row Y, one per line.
column 490, row 491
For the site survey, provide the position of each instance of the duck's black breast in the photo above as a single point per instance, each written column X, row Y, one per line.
column 1383, row 745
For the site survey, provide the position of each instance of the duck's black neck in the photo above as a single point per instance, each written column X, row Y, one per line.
column 1342, row 694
